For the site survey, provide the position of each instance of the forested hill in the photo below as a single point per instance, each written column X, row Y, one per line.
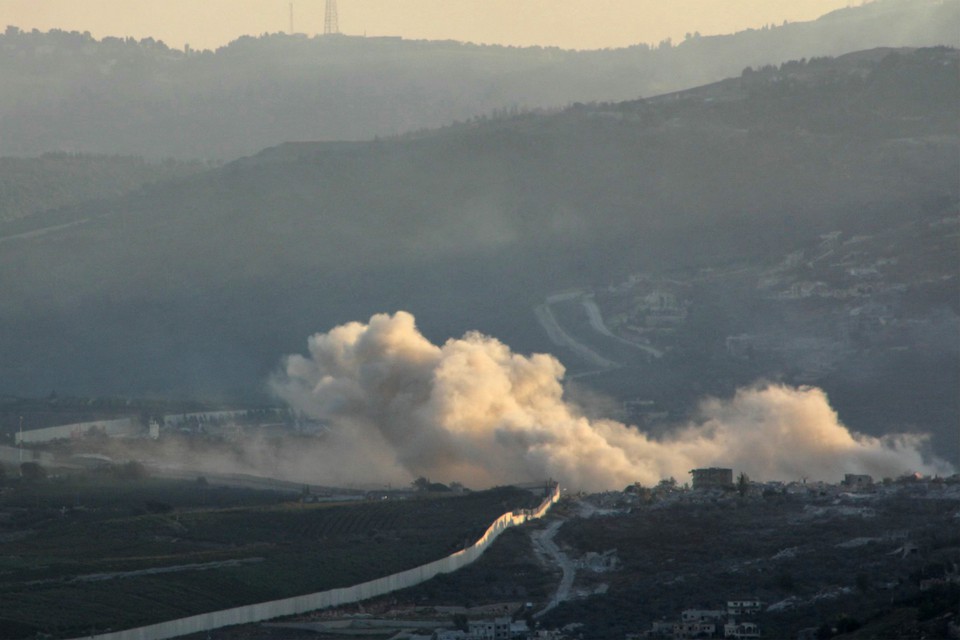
column 201, row 284
column 32, row 186
column 69, row 92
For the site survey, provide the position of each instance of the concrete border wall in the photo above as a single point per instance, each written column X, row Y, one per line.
column 333, row 597
column 112, row 428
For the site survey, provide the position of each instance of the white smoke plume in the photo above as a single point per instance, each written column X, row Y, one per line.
column 475, row 412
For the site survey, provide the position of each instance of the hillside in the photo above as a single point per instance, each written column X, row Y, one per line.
column 879, row 563
column 120, row 552
column 813, row 558
column 30, row 186
column 68, row 92
column 200, row 285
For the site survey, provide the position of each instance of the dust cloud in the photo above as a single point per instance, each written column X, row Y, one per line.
column 471, row 410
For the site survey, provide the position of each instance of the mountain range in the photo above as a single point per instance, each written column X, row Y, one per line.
column 69, row 92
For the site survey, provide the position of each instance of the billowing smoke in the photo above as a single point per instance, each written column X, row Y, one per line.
column 475, row 412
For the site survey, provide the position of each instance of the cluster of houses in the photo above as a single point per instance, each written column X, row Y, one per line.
column 708, row 623
column 855, row 493
column 500, row 628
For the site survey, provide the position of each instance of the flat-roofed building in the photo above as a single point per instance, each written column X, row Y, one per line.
column 712, row 478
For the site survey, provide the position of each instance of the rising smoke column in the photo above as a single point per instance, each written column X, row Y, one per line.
column 473, row 411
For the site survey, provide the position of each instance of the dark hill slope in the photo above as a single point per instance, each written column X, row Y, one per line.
column 201, row 284
column 68, row 92
column 31, row 186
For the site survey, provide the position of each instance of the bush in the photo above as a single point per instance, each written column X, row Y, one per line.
column 846, row 624
column 132, row 470
column 786, row 581
column 155, row 506
column 32, row 471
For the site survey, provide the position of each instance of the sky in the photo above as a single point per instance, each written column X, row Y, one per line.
column 571, row 24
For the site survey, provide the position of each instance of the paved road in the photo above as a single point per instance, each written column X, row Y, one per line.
column 563, row 339
column 43, row 231
column 596, row 321
column 543, row 540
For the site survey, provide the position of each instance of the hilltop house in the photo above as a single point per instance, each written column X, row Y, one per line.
column 712, row 478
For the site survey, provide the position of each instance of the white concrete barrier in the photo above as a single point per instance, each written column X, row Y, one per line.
column 333, row 597
column 114, row 428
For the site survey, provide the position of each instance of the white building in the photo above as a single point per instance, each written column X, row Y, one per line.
column 742, row 607
column 702, row 615
column 496, row 629
column 689, row 630
column 741, row 630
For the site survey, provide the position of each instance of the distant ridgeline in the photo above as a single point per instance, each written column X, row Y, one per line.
column 64, row 91
column 35, row 186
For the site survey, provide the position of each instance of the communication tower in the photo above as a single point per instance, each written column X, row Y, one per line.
column 330, row 25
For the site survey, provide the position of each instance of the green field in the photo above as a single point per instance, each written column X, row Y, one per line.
column 216, row 548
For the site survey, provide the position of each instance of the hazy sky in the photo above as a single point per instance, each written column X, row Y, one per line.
column 581, row 24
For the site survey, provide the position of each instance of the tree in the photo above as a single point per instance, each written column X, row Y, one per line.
column 421, row 484
column 32, row 471
column 743, row 484
column 459, row 621
column 133, row 470
column 667, row 484
column 155, row 506
column 786, row 582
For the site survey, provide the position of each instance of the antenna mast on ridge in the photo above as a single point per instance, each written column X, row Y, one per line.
column 330, row 25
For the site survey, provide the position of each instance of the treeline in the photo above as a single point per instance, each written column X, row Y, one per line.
column 69, row 91
column 34, row 185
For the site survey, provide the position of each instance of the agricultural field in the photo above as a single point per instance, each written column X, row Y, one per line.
column 88, row 552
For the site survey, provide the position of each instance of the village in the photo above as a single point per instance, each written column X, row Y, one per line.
column 406, row 617
column 797, row 553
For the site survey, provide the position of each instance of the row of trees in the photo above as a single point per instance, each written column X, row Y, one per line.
column 36, row 472
column 423, row 484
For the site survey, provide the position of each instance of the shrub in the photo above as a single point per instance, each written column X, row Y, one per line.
column 155, row 506
column 32, row 471
column 132, row 470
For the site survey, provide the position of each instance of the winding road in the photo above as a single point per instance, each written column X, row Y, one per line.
column 543, row 541
column 561, row 338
